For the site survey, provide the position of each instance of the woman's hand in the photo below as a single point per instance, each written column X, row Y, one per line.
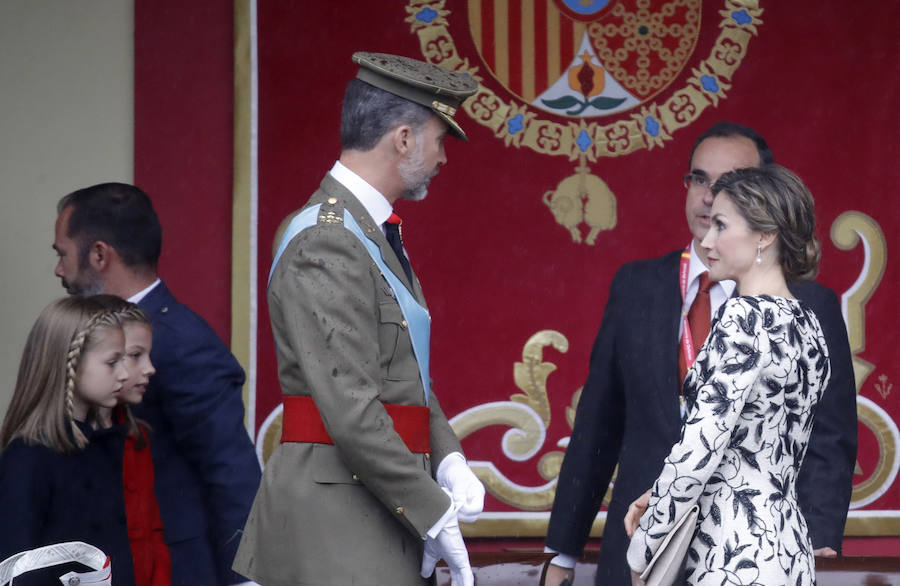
column 635, row 511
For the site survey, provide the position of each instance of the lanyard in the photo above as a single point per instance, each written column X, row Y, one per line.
column 687, row 341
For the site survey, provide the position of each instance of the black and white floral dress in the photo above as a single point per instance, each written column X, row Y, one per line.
column 752, row 395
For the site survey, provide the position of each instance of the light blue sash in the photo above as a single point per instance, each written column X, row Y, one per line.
column 417, row 318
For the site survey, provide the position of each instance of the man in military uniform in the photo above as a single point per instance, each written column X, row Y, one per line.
column 369, row 481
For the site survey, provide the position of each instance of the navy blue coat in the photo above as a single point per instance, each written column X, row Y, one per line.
column 628, row 415
column 49, row 497
column 204, row 462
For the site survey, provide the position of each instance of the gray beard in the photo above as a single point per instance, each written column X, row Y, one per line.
column 90, row 284
column 418, row 194
column 413, row 173
column 93, row 288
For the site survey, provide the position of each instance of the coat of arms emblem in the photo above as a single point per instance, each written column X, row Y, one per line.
column 587, row 79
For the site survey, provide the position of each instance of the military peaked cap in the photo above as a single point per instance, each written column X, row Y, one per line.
column 441, row 90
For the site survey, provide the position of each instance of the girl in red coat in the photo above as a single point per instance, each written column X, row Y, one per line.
column 152, row 566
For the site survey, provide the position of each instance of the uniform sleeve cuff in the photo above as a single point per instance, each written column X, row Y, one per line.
column 436, row 528
column 562, row 560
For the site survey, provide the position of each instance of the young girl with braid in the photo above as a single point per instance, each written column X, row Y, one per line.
column 152, row 565
column 60, row 478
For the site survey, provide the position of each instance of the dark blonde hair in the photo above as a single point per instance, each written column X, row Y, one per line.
column 127, row 313
column 773, row 200
column 42, row 406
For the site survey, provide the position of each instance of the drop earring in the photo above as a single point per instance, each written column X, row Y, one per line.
column 759, row 254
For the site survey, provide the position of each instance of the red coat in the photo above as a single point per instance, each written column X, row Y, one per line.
column 152, row 566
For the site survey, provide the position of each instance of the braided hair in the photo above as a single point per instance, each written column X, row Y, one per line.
column 81, row 340
column 129, row 313
column 42, row 405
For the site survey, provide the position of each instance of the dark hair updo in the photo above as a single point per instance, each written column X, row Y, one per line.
column 774, row 200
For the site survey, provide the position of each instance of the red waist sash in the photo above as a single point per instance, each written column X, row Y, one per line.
column 303, row 424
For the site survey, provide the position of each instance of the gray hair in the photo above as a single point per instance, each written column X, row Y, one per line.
column 369, row 113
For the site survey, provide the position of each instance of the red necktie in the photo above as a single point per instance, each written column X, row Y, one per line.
column 392, row 232
column 699, row 316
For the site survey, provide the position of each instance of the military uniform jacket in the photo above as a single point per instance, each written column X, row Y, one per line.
column 354, row 512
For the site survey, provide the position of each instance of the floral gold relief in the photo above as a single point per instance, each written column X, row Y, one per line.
column 531, row 374
column 527, row 414
column 849, row 230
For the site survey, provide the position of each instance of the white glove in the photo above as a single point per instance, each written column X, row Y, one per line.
column 449, row 546
column 466, row 490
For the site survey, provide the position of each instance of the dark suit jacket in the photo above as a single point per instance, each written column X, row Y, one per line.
column 628, row 414
column 206, row 468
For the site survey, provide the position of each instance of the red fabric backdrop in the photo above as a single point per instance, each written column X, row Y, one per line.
column 819, row 82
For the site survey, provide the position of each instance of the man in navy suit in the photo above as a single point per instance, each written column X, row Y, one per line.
column 108, row 240
column 628, row 413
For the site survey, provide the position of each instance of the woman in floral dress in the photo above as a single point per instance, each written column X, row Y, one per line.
column 752, row 395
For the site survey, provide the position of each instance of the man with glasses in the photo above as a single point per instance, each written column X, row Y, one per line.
column 629, row 411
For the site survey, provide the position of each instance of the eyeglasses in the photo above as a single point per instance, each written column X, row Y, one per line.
column 696, row 181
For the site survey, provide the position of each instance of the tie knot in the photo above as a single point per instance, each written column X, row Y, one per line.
column 394, row 219
column 705, row 282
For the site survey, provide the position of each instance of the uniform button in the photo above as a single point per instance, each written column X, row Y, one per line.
column 165, row 309
column 427, row 456
column 332, row 200
column 399, row 510
column 355, row 478
column 403, row 323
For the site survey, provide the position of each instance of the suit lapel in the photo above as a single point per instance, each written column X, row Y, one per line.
column 666, row 315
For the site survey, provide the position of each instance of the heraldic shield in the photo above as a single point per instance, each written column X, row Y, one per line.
column 602, row 69
column 585, row 58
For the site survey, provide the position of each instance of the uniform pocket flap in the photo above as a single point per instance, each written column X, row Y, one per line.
column 390, row 313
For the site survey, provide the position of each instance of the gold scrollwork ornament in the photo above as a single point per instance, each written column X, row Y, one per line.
column 849, row 230
column 527, row 414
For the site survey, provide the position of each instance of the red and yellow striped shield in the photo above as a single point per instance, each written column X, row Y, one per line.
column 585, row 57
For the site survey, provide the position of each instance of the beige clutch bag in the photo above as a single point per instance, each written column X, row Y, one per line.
column 666, row 564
